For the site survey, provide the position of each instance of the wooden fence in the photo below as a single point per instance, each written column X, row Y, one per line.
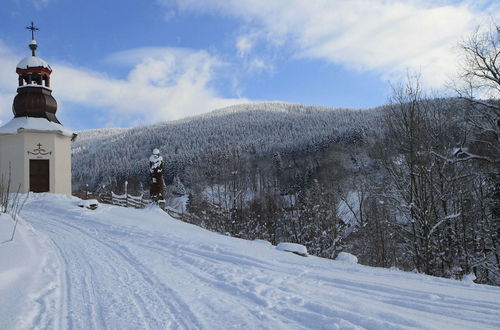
column 125, row 200
column 138, row 202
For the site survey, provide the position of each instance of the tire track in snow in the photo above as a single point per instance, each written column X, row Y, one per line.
column 237, row 287
column 233, row 294
column 157, row 246
column 194, row 260
column 418, row 300
column 81, row 298
column 143, row 290
column 175, row 305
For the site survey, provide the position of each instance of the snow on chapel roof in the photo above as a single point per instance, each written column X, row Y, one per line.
column 33, row 124
column 33, row 62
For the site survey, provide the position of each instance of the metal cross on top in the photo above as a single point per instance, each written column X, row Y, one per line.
column 33, row 28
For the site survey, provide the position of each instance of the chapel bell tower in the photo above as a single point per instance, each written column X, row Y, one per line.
column 35, row 149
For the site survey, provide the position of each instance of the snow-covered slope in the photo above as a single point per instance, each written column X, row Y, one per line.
column 117, row 268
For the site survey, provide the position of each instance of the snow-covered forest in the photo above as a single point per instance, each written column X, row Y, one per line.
column 256, row 130
column 412, row 184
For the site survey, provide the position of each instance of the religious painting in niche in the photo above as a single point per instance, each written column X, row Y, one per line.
column 39, row 175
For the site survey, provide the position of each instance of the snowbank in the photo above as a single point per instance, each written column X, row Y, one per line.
column 293, row 247
column 28, row 265
column 263, row 242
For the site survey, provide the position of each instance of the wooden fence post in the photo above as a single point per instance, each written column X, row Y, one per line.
column 126, row 194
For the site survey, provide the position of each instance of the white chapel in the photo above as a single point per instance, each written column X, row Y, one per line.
column 35, row 149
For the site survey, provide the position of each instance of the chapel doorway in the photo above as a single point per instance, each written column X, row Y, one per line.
column 39, row 175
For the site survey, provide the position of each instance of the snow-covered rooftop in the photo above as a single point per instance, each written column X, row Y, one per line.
column 32, row 62
column 33, row 124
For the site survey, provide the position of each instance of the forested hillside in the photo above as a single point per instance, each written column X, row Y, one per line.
column 106, row 156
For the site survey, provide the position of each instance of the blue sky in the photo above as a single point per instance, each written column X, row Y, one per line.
column 127, row 63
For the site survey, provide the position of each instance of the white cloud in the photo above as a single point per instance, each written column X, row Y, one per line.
column 8, row 81
column 40, row 3
column 244, row 44
column 254, row 60
column 169, row 15
column 162, row 84
column 258, row 64
column 385, row 36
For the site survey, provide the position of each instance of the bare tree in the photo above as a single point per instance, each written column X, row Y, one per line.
column 479, row 86
column 10, row 203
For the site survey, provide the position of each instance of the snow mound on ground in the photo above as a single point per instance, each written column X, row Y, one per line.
column 293, row 247
column 89, row 203
column 263, row 241
column 347, row 258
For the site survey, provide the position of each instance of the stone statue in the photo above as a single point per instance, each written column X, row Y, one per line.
column 156, row 173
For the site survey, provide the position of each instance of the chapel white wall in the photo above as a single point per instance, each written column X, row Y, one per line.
column 62, row 165
column 12, row 161
column 14, row 149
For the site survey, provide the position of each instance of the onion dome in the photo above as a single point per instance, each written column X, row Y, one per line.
column 34, row 96
column 35, row 101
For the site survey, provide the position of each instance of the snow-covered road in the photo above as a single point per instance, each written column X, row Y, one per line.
column 117, row 268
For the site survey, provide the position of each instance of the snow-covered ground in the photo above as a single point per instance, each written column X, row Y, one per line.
column 117, row 268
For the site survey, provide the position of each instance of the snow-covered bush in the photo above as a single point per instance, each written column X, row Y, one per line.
column 469, row 278
column 178, row 187
column 11, row 201
column 347, row 258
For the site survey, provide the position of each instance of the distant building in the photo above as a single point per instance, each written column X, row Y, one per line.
column 35, row 149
